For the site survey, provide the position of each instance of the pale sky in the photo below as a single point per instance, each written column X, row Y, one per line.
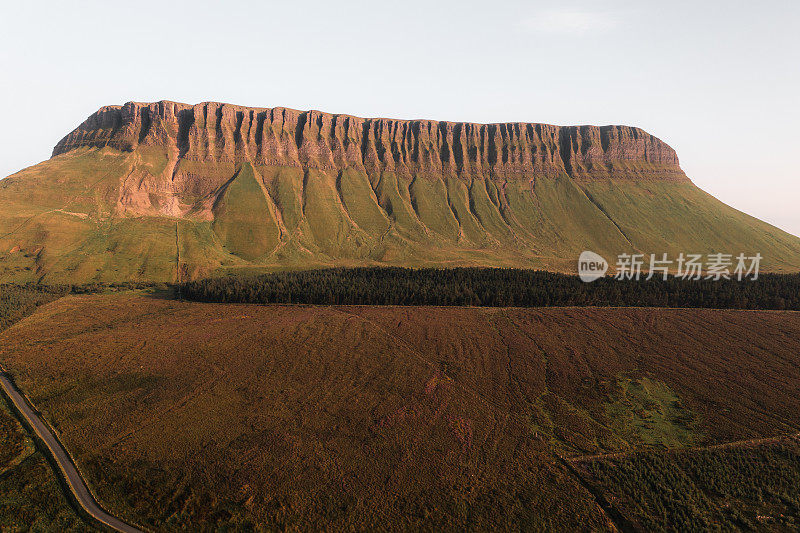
column 717, row 80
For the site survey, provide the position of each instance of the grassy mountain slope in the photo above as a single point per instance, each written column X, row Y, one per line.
column 243, row 218
column 134, row 188
column 60, row 222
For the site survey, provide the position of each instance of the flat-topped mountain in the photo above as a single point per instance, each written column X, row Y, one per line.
column 143, row 191
column 222, row 133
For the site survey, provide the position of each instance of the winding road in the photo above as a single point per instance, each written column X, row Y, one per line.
column 69, row 472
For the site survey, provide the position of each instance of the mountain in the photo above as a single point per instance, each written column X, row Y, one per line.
column 140, row 191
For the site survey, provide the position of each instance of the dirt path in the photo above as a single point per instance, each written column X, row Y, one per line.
column 732, row 444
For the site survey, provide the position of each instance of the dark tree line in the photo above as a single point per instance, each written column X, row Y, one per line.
column 492, row 287
column 19, row 300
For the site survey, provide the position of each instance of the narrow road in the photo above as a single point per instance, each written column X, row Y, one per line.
column 68, row 470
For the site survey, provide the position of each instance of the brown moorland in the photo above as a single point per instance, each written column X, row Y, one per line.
column 307, row 417
column 30, row 496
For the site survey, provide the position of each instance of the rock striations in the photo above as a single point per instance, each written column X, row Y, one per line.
column 215, row 132
column 167, row 191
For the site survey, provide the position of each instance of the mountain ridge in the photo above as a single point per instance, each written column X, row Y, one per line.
column 314, row 139
column 166, row 191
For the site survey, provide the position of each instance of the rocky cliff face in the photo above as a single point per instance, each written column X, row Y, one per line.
column 222, row 133
column 168, row 191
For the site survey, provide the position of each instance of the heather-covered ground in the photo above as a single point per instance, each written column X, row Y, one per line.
column 30, row 497
column 305, row 417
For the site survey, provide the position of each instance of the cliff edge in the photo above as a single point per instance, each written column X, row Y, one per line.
column 223, row 133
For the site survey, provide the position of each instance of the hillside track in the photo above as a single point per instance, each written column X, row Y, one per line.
column 720, row 446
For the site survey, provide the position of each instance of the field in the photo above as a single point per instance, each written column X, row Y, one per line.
column 19, row 301
column 30, row 498
column 304, row 417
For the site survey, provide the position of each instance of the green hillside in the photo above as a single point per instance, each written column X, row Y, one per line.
column 102, row 214
column 243, row 218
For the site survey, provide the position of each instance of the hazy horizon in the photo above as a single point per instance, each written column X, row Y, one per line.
column 714, row 81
